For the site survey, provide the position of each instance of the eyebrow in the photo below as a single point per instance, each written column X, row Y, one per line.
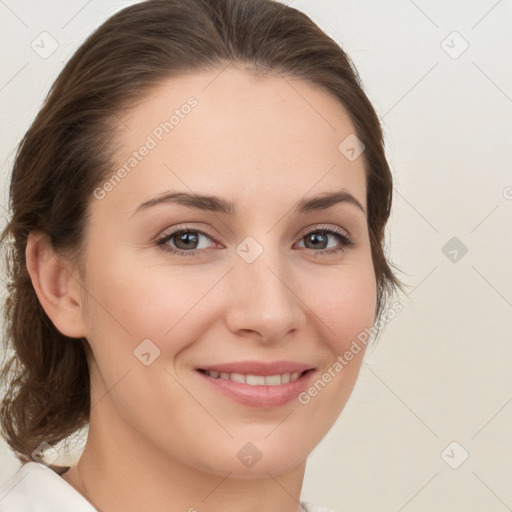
column 217, row 204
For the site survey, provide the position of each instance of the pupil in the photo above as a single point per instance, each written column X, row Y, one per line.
column 317, row 239
column 185, row 238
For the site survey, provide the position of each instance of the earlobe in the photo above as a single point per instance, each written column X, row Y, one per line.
column 57, row 289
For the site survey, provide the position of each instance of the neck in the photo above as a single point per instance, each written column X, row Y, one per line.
column 120, row 470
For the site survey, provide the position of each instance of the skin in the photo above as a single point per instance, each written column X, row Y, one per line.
column 159, row 437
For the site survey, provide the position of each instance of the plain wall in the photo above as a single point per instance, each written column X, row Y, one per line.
column 440, row 372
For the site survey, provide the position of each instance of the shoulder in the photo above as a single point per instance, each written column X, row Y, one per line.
column 36, row 487
column 310, row 507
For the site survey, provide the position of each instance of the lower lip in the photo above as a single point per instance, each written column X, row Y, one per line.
column 260, row 396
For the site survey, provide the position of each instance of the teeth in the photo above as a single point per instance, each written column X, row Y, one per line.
column 238, row 377
column 255, row 380
column 271, row 380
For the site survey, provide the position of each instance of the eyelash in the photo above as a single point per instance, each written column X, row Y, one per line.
column 346, row 241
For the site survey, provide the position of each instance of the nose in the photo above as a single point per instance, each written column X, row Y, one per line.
column 263, row 303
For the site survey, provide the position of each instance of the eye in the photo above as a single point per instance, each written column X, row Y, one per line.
column 318, row 240
column 185, row 241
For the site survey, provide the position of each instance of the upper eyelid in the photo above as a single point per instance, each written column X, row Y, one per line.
column 327, row 227
column 186, row 227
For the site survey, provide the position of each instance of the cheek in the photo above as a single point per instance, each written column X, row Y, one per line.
column 131, row 301
column 344, row 304
column 345, row 309
column 163, row 302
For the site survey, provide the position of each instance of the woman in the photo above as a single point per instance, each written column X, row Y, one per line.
column 206, row 374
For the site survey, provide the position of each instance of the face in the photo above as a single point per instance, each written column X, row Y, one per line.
column 187, row 298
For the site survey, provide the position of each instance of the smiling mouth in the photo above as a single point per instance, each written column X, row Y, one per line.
column 258, row 384
column 255, row 380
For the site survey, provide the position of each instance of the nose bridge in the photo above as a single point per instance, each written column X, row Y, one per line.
column 263, row 299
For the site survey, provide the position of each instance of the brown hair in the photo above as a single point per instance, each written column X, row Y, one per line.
column 65, row 154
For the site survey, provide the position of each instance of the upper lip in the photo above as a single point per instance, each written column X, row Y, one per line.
column 259, row 368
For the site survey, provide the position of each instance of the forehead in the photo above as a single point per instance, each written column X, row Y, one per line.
column 228, row 132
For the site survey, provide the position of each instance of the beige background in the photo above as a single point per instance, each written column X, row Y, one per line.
column 440, row 372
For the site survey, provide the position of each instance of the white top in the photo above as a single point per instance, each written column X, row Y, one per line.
column 37, row 488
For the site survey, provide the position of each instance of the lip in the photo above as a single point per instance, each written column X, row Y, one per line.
column 263, row 396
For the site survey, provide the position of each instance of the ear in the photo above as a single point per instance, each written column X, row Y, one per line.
column 57, row 288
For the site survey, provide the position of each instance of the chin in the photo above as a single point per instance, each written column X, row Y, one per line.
column 261, row 469
column 256, row 459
